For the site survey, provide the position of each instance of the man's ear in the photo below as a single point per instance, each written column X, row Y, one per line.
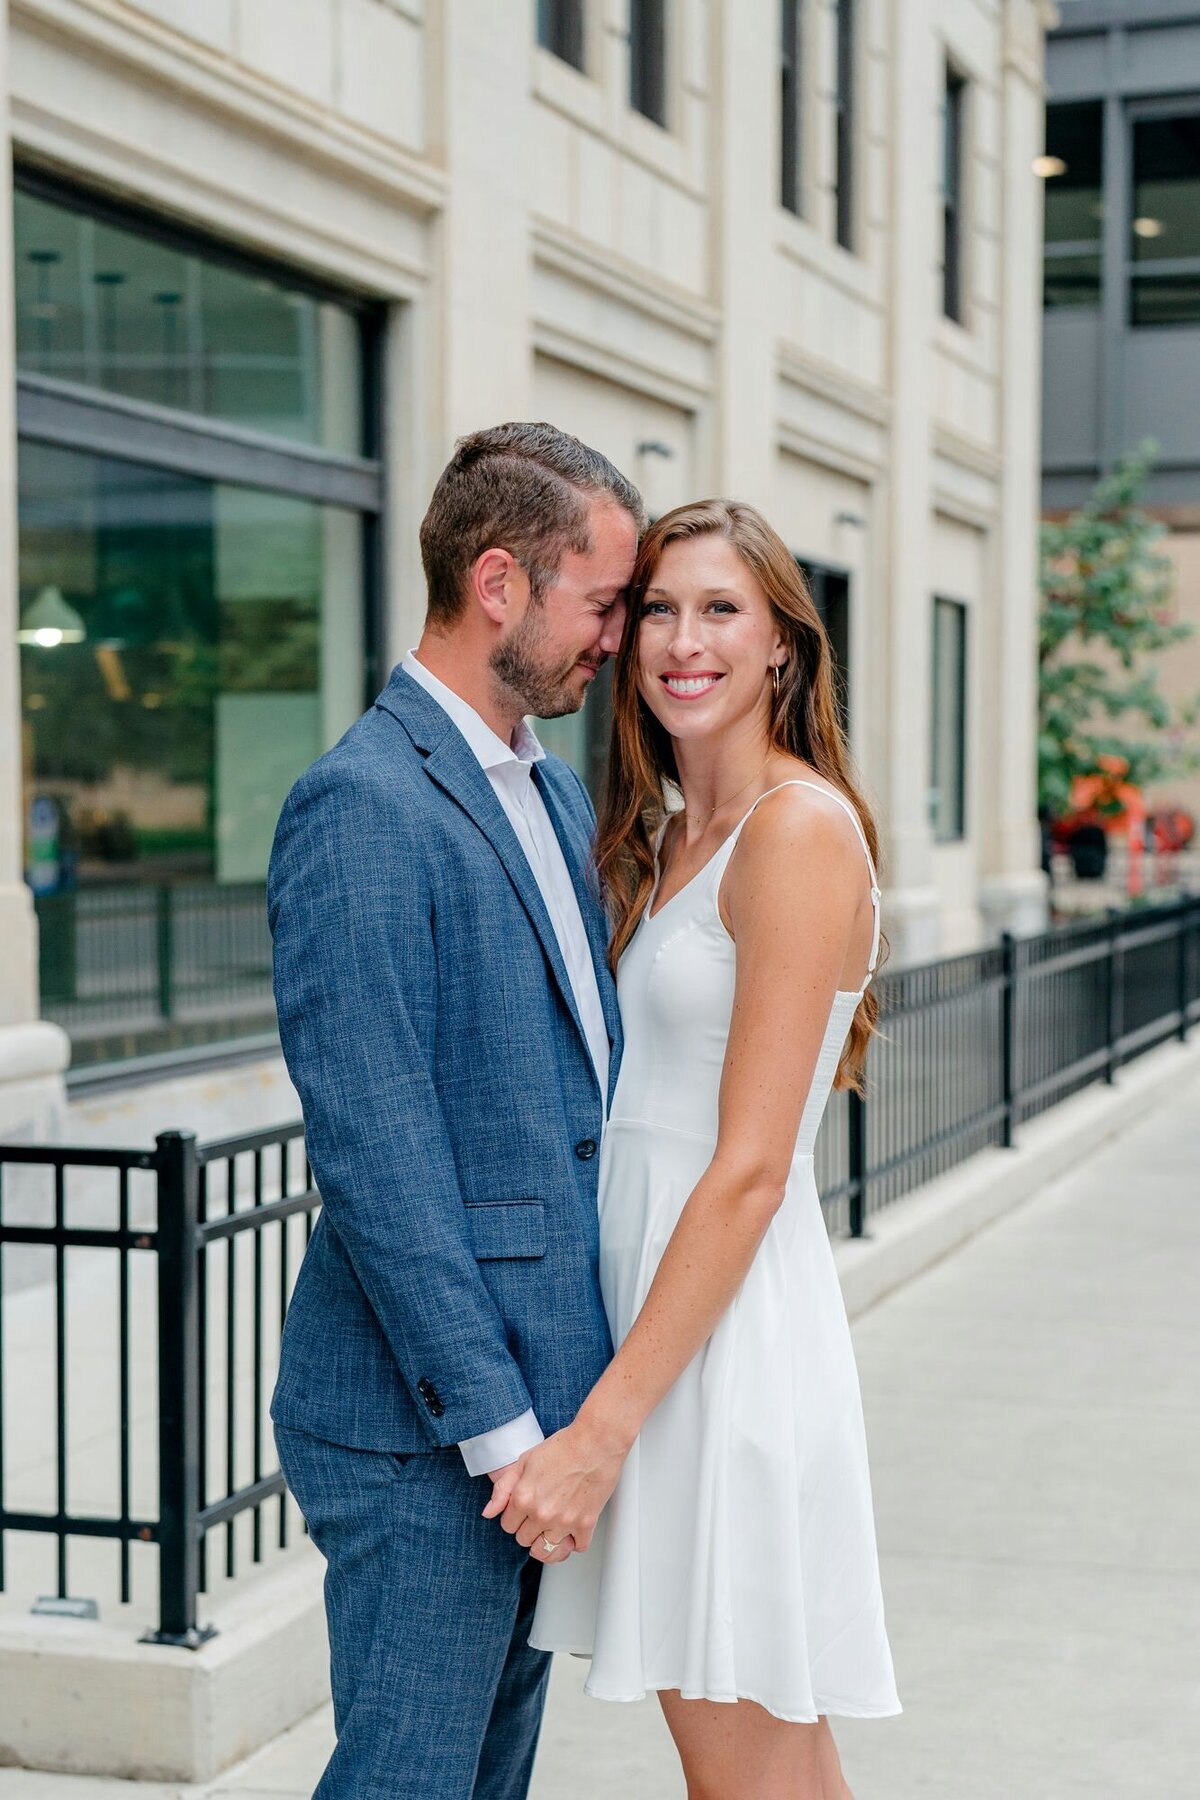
column 492, row 582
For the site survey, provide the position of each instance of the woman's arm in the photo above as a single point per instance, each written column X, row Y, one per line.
column 794, row 895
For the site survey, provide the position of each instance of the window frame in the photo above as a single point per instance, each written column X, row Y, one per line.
column 649, row 61
column 1184, row 105
column 845, row 122
column 1072, row 249
column 943, row 604
column 955, row 122
column 792, row 20
column 832, row 588
column 560, row 28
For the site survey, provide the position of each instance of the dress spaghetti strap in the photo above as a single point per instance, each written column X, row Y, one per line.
column 799, row 781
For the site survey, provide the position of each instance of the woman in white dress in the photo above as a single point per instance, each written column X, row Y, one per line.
column 706, row 1519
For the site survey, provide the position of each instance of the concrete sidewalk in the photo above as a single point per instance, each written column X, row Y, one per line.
column 1033, row 1407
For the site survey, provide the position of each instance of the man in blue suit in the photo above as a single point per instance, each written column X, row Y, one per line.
column 451, row 1027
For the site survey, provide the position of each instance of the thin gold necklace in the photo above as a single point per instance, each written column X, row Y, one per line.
column 725, row 802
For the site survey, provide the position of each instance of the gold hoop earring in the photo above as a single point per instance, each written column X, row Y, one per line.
column 775, row 673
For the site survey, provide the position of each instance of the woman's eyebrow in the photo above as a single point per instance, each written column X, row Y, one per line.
column 712, row 593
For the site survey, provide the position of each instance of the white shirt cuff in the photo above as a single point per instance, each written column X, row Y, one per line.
column 495, row 1449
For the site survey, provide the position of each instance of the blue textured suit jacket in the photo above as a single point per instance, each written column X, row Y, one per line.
column 451, row 1105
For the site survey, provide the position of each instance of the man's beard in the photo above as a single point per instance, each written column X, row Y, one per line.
column 519, row 663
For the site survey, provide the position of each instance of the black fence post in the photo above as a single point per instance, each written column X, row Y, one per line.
column 857, row 1122
column 178, row 1393
column 1115, row 1027
column 165, row 951
column 1008, row 1035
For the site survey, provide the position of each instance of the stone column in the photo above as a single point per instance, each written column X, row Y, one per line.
column 913, row 903
column 32, row 1053
column 745, row 156
column 486, row 77
column 1013, row 890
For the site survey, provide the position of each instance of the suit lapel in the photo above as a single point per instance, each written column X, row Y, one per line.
column 452, row 764
column 455, row 769
column 577, row 852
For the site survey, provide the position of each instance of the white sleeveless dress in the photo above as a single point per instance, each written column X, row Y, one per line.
column 736, row 1558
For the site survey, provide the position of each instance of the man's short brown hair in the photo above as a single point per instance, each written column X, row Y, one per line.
column 523, row 488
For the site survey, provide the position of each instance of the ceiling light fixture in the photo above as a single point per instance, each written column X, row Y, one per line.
column 50, row 620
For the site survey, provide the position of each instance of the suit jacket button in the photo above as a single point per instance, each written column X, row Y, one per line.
column 585, row 1149
column 436, row 1408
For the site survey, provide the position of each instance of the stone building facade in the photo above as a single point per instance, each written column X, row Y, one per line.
column 270, row 258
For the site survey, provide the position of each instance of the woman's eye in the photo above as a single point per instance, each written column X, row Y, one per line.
column 724, row 606
column 650, row 607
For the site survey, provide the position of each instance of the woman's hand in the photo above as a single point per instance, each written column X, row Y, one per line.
column 558, row 1490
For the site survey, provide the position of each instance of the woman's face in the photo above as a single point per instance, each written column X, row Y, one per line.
column 706, row 639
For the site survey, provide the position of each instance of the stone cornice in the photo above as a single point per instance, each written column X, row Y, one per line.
column 564, row 253
column 112, row 31
column 832, row 384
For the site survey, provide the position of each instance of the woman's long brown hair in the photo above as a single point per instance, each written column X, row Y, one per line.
column 804, row 723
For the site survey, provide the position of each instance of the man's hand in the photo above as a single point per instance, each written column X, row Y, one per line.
column 557, row 1490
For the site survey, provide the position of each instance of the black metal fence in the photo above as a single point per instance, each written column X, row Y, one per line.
column 969, row 1048
column 128, row 969
column 223, row 1226
column 972, row 1046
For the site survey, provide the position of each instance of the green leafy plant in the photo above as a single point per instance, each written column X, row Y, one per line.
column 1106, row 584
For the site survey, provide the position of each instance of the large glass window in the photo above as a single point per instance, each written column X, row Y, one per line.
column 1165, row 227
column 560, row 29
column 648, row 59
column 947, row 800
column 197, row 526
column 1073, row 171
column 791, row 75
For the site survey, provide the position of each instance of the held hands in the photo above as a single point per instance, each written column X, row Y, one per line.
column 558, row 1490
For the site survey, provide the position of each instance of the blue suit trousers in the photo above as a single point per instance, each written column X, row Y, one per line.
column 436, row 1692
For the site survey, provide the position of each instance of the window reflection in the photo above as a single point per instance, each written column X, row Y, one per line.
column 219, row 652
column 107, row 307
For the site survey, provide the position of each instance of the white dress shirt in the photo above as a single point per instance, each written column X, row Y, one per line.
column 509, row 768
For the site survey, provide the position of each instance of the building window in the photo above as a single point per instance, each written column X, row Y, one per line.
column 791, row 75
column 198, row 514
column 844, row 123
column 1165, row 227
column 1073, row 170
column 948, row 760
column 830, row 589
column 953, row 119
column 648, row 59
column 560, row 30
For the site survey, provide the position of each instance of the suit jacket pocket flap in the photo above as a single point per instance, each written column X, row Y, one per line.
column 507, row 1228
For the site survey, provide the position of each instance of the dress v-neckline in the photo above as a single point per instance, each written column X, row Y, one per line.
column 706, row 864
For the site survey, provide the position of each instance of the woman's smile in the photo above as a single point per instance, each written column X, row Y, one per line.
column 690, row 687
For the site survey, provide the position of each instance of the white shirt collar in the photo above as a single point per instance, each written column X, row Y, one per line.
column 491, row 750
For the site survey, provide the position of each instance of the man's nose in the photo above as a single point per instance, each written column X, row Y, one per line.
column 614, row 625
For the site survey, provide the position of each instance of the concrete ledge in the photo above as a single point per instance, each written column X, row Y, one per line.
column 81, row 1699
column 921, row 1228
column 33, row 1056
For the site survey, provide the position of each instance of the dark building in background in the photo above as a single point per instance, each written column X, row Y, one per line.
column 1122, row 273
